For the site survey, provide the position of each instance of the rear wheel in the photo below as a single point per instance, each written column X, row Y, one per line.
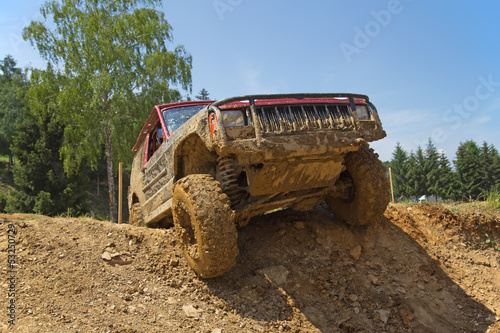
column 204, row 225
column 368, row 194
column 136, row 217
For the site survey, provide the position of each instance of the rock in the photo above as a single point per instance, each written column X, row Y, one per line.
column 191, row 312
column 401, row 290
column 356, row 252
column 315, row 316
column 373, row 279
column 277, row 274
column 384, row 315
column 341, row 318
column 174, row 262
column 106, row 256
column 217, row 330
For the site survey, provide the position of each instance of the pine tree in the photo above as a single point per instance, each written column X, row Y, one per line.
column 495, row 167
column 468, row 168
column 446, row 185
column 490, row 168
column 431, row 169
column 203, row 95
column 399, row 169
column 417, row 174
column 43, row 186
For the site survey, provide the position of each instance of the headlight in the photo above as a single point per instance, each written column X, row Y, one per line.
column 233, row 118
column 362, row 112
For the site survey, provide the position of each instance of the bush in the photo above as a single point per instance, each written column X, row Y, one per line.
column 43, row 203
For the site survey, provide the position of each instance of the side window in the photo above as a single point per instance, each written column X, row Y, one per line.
column 155, row 140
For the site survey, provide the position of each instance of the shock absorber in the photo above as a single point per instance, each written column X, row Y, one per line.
column 229, row 178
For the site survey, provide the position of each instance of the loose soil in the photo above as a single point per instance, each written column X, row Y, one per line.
column 420, row 268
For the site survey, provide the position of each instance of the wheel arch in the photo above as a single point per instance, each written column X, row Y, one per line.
column 193, row 157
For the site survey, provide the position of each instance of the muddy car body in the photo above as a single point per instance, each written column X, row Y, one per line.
column 222, row 162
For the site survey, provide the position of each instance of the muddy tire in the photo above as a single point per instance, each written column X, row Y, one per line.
column 204, row 225
column 136, row 217
column 370, row 194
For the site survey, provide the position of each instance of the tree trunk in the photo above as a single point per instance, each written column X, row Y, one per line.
column 11, row 161
column 111, row 180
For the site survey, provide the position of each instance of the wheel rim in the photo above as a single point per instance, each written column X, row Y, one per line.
column 350, row 190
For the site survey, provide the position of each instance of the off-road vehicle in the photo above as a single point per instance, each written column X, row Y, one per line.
column 209, row 166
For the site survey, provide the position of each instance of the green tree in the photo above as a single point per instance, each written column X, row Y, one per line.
column 432, row 171
column 417, row 184
column 43, row 186
column 468, row 168
column 13, row 86
column 495, row 168
column 117, row 66
column 203, row 95
column 445, row 183
column 490, row 168
column 399, row 169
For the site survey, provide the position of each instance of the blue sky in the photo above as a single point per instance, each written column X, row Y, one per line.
column 431, row 68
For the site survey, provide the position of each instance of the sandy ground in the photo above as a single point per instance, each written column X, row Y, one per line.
column 421, row 268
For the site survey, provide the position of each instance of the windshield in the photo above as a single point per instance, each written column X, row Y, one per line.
column 174, row 118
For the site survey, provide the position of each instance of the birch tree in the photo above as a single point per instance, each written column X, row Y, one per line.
column 118, row 61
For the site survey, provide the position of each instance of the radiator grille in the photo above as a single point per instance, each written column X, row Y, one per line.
column 296, row 118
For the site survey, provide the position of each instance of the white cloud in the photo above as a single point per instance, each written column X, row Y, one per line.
column 483, row 120
column 403, row 118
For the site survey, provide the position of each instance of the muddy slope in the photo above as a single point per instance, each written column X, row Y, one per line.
column 419, row 269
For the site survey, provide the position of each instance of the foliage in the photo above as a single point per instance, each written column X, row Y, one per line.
column 492, row 242
column 446, row 185
column 116, row 67
column 13, row 86
column 489, row 168
column 417, row 181
column 432, row 170
column 43, row 186
column 203, row 95
column 476, row 174
column 493, row 199
column 399, row 169
column 3, row 202
column 468, row 166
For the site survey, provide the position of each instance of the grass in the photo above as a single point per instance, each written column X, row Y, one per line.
column 493, row 199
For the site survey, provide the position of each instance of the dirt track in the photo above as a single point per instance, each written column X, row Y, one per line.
column 419, row 269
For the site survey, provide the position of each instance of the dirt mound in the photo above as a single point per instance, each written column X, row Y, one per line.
column 421, row 268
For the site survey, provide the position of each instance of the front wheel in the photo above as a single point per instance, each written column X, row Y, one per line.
column 204, row 225
column 369, row 189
